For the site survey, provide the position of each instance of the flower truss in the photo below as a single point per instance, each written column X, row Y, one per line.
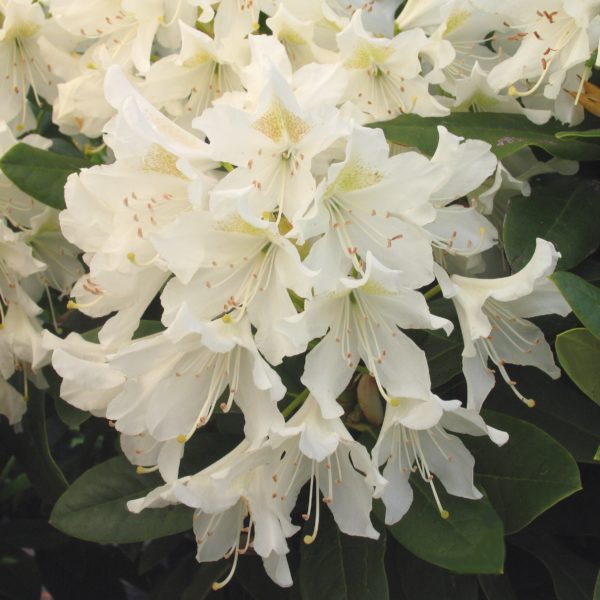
column 245, row 195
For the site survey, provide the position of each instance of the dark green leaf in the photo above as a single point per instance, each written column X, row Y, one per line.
column 507, row 133
column 204, row 577
column 470, row 540
column 573, row 577
column 560, row 410
column 94, row 507
column 583, row 297
column 69, row 415
column 251, row 575
column 145, row 328
column 29, row 533
column 176, row 581
column 156, row 551
column 31, row 449
column 527, row 475
column 496, row 587
column 444, row 352
column 341, row 567
column 562, row 210
column 597, row 588
column 423, row 581
column 579, row 355
column 19, row 577
column 40, row 173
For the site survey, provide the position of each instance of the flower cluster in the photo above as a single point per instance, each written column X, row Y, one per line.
column 246, row 190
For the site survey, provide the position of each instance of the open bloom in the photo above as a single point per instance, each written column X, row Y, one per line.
column 361, row 320
column 322, row 451
column 414, row 438
column 492, row 315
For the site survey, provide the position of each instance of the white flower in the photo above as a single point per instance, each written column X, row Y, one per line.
column 236, row 262
column 234, row 511
column 414, row 438
column 385, row 75
column 552, row 36
column 88, row 382
column 361, row 320
column 319, row 450
column 360, row 206
column 188, row 82
column 273, row 148
column 192, row 364
column 492, row 315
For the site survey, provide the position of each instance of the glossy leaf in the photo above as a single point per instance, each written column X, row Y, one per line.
column 341, row 567
column 573, row 578
column 562, row 210
column 496, row 587
column 40, row 173
column 444, row 352
column 527, row 475
column 583, row 298
column 19, row 577
column 579, row 355
column 470, row 540
column 507, row 133
column 589, row 133
column 94, row 507
column 423, row 581
column 560, row 410
column 206, row 574
column 30, row 446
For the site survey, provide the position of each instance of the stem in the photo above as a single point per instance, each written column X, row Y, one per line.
column 295, row 403
column 433, row 292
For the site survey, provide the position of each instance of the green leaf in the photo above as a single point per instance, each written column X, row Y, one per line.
column 527, row 475
column 560, row 410
column 341, row 567
column 156, row 551
column 596, row 595
column 496, row 587
column 562, row 210
column 70, row 415
column 19, row 577
column 206, row 574
column 579, row 355
column 31, row 449
column 94, row 507
column 572, row 577
column 145, row 328
column 29, row 533
column 444, row 352
column 40, row 173
column 589, row 133
column 470, row 540
column 250, row 574
column 583, row 298
column 507, row 133
column 422, row 581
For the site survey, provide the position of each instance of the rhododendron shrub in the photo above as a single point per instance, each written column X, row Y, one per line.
column 299, row 299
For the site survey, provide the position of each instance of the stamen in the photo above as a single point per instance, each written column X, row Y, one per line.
column 217, row 585
column 309, row 539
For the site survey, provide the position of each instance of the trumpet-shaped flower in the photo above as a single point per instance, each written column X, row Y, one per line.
column 493, row 319
column 414, row 438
